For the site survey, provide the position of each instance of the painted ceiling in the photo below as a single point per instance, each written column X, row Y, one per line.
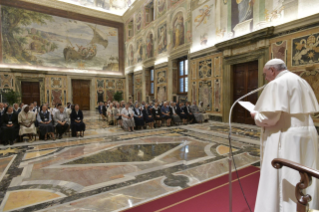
column 117, row 7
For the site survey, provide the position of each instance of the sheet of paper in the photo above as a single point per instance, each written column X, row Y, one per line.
column 247, row 105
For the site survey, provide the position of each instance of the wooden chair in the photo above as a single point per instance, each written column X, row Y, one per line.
column 306, row 175
column 21, row 137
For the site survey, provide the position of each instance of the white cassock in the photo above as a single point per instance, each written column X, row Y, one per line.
column 283, row 111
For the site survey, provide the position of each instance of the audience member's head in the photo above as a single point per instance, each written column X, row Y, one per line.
column 35, row 104
column 25, row 108
column 5, row 105
column 146, row 106
column 111, row 105
column 101, row 103
column 59, row 105
column 136, row 105
column 9, row 109
column 44, row 108
column 61, row 109
column 1, row 105
column 31, row 107
column 20, row 105
column 156, row 104
column 72, row 107
column 76, row 107
column 15, row 106
column 127, row 105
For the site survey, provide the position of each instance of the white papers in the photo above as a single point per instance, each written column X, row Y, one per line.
column 247, row 105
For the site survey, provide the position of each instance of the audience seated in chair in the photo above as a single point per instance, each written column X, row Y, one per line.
column 182, row 112
column 190, row 115
column 148, row 116
column 138, row 116
column 61, row 122
column 10, row 127
column 128, row 118
column 203, row 111
column 157, row 115
column 175, row 116
column 111, row 114
column 117, row 115
column 26, row 119
column 166, row 114
column 101, row 107
column 195, row 111
column 77, row 124
column 45, row 123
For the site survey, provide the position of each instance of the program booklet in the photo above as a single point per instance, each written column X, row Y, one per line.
column 247, row 105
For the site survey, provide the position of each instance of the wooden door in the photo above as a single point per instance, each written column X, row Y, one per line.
column 81, row 93
column 30, row 92
column 245, row 79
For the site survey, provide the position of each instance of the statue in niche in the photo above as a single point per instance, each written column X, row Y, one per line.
column 100, row 95
column 178, row 28
column 139, row 51
column 245, row 10
column 149, row 45
column 162, row 36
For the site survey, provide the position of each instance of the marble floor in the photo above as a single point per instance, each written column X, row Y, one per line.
column 111, row 170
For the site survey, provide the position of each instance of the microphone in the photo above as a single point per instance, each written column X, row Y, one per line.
column 230, row 154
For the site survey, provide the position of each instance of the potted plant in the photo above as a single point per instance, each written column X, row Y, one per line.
column 118, row 96
column 11, row 96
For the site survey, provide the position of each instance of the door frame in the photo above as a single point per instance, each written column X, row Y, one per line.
column 261, row 55
column 40, row 80
column 92, row 89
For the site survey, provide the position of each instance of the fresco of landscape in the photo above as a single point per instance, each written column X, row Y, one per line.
column 32, row 38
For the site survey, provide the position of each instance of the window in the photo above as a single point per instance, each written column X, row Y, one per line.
column 149, row 13
column 151, row 82
column 183, row 76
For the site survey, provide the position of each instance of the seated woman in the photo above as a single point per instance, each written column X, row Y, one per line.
column 110, row 114
column 203, row 111
column 181, row 111
column 10, row 127
column 26, row 119
column 128, row 118
column 61, row 121
column 138, row 116
column 157, row 114
column 166, row 114
column 45, row 123
column 195, row 111
column 77, row 124
column 148, row 116
column 117, row 115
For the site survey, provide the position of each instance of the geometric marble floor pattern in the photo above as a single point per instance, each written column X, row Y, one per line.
column 112, row 172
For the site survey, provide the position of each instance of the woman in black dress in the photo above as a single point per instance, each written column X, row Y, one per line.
column 148, row 116
column 157, row 114
column 138, row 116
column 77, row 124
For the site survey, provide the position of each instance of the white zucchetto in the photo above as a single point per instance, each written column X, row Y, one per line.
column 275, row 62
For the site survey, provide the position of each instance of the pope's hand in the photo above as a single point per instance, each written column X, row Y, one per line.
column 253, row 114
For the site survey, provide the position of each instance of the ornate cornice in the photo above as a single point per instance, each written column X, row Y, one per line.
column 74, row 8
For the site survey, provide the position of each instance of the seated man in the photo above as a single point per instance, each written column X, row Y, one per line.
column 101, row 106
column 203, row 111
column 189, row 113
column 45, row 123
column 138, row 116
column 182, row 112
column 148, row 116
column 10, row 127
column 36, row 108
column 77, row 124
column 195, row 111
column 166, row 114
column 111, row 114
column 175, row 116
column 61, row 121
column 128, row 118
column 26, row 119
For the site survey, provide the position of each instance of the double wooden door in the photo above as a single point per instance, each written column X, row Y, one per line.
column 30, row 92
column 245, row 79
column 81, row 93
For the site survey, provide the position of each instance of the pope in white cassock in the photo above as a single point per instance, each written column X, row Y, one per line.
column 283, row 111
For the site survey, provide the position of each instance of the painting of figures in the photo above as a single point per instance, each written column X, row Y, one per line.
column 51, row 41
column 305, row 50
column 130, row 55
column 161, row 7
column 138, row 21
column 139, row 50
column 205, row 94
column 178, row 29
column 203, row 32
column 162, row 39
column 149, row 45
column 161, row 94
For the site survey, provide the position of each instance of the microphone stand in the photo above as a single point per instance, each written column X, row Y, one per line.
column 230, row 154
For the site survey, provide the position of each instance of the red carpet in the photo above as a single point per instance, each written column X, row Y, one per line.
column 210, row 196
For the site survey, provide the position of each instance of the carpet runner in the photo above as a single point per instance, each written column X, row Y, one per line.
column 209, row 196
